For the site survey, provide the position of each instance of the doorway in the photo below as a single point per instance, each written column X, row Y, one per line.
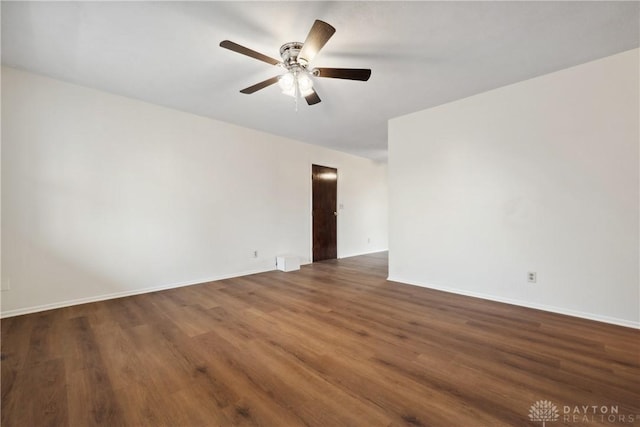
column 325, row 213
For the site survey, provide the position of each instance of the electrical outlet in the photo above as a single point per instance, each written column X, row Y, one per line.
column 532, row 277
column 255, row 254
column 368, row 240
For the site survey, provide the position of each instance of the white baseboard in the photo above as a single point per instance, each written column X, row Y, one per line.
column 68, row 303
column 543, row 307
column 362, row 253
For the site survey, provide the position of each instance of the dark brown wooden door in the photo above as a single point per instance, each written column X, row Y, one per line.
column 325, row 219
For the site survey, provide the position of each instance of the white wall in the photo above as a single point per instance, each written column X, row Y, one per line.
column 538, row 176
column 104, row 196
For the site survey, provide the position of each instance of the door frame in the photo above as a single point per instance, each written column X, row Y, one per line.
column 310, row 175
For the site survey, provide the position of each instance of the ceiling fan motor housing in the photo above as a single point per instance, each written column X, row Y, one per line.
column 289, row 53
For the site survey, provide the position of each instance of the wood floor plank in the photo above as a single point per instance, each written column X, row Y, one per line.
column 48, row 398
column 333, row 344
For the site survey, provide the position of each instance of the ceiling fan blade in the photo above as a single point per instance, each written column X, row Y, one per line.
column 227, row 44
column 256, row 87
column 312, row 98
column 362, row 74
column 318, row 36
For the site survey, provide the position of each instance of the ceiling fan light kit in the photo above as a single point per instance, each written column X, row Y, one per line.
column 294, row 83
column 296, row 57
column 297, row 80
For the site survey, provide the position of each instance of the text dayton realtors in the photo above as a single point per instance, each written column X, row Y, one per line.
column 592, row 413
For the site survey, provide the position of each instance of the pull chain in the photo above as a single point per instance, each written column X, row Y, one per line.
column 295, row 84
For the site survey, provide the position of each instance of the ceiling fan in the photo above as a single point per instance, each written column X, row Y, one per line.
column 296, row 57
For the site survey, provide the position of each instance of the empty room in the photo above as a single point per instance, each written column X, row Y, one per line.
column 420, row 213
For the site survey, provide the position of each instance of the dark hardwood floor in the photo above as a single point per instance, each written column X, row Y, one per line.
column 333, row 344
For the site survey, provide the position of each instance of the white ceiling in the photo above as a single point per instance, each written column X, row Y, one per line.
column 422, row 54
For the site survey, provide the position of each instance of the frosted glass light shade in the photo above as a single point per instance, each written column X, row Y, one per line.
column 304, row 82
column 287, row 82
column 290, row 92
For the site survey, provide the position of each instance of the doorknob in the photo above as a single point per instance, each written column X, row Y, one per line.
column 335, row 213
